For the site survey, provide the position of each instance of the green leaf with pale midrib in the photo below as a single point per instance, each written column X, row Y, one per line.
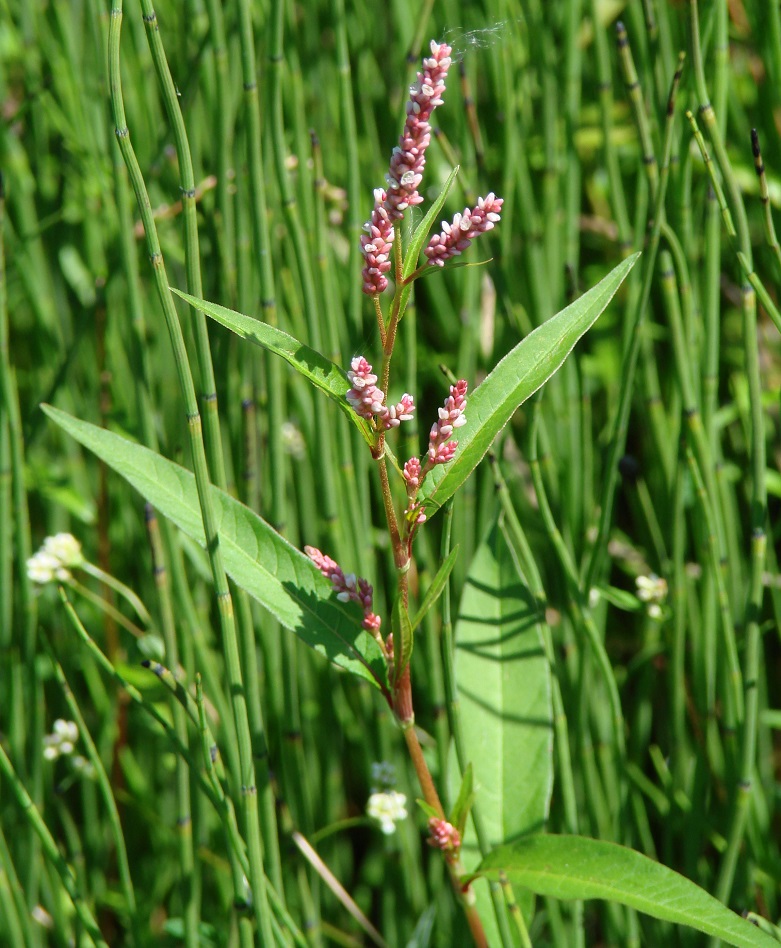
column 324, row 374
column 256, row 557
column 516, row 377
column 575, row 867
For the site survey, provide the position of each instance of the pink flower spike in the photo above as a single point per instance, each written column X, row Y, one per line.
column 349, row 588
column 376, row 246
column 402, row 411
column 412, row 474
column 408, row 158
column 451, row 415
column 457, row 236
column 364, row 396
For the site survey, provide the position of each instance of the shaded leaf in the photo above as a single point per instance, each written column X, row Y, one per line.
column 504, row 694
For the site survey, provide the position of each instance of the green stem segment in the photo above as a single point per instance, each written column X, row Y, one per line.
column 224, row 600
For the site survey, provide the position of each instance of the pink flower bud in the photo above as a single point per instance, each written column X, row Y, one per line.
column 444, row 835
column 412, row 474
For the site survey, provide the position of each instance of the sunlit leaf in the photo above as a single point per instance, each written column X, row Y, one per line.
column 256, row 557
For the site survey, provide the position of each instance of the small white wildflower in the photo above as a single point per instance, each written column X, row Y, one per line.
column 293, row 441
column 67, row 730
column 65, row 547
column 55, row 558
column 652, row 590
column 61, row 741
column 43, row 568
column 388, row 809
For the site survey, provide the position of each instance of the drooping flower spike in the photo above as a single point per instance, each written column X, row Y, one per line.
column 348, row 587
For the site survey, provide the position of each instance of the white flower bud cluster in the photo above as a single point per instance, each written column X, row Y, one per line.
column 62, row 741
column 55, row 559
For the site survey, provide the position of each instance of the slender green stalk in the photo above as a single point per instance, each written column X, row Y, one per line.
column 51, row 851
column 758, row 498
column 104, row 785
column 262, row 247
column 184, row 818
column 629, row 363
column 15, row 915
column 230, row 645
column 577, row 598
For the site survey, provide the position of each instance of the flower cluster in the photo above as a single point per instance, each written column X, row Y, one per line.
column 457, row 236
column 368, row 400
column 406, row 169
column 348, row 588
column 440, row 448
column 62, row 741
column 409, row 156
column 388, row 808
column 652, row 590
column 443, row 835
column 376, row 246
column 58, row 555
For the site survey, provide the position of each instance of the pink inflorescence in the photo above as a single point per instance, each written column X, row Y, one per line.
column 348, row 588
column 412, row 474
column 440, row 448
column 456, row 236
column 406, row 170
column 376, row 246
column 444, row 835
column 368, row 400
column 409, row 156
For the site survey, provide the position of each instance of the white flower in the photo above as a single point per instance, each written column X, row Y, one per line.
column 652, row 590
column 388, row 809
column 53, row 560
column 61, row 741
column 65, row 547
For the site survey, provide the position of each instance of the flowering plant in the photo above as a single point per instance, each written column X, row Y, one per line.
column 312, row 594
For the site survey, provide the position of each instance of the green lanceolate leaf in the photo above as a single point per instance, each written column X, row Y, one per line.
column 422, row 230
column 464, row 801
column 519, row 374
column 419, row 238
column 256, row 557
column 436, row 588
column 321, row 372
column 573, row 867
column 504, row 702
